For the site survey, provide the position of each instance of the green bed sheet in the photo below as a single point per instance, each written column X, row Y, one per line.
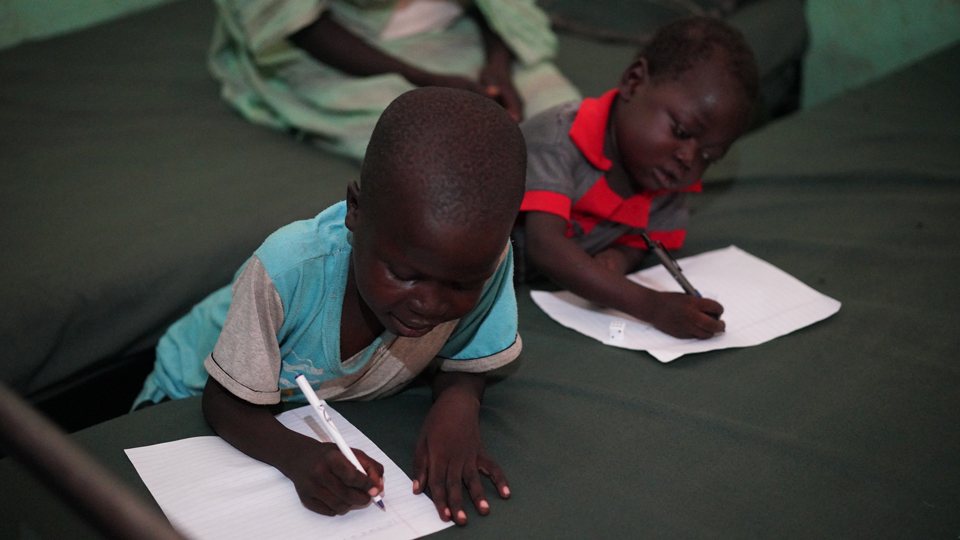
column 844, row 429
column 129, row 190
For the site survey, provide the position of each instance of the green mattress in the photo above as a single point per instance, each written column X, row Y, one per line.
column 129, row 190
column 147, row 193
column 847, row 428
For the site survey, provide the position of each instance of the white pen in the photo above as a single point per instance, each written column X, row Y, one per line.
column 319, row 407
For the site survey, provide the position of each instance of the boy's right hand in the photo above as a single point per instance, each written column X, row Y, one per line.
column 329, row 484
column 325, row 480
column 684, row 316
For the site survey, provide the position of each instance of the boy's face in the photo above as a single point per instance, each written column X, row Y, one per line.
column 413, row 273
column 669, row 131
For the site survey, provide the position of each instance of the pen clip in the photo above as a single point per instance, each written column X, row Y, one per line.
column 317, row 404
column 322, row 409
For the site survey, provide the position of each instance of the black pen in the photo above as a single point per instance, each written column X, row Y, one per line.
column 670, row 264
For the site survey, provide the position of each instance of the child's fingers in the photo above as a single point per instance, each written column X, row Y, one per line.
column 718, row 326
column 374, row 469
column 708, row 305
column 333, row 499
column 438, row 494
column 315, row 504
column 471, row 479
column 353, row 490
column 711, row 324
column 420, row 469
column 705, row 326
column 705, row 331
column 348, row 485
column 449, row 489
column 493, row 471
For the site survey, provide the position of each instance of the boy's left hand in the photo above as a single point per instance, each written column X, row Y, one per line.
column 450, row 456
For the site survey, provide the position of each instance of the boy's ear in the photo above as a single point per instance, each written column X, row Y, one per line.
column 633, row 77
column 353, row 206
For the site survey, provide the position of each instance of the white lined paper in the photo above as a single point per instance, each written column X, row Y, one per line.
column 209, row 489
column 761, row 302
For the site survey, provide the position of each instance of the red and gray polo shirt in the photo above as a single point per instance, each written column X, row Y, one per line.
column 567, row 169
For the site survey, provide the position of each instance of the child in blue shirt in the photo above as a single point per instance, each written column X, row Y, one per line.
column 411, row 274
column 601, row 171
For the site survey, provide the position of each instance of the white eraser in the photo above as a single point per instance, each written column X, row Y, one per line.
column 617, row 328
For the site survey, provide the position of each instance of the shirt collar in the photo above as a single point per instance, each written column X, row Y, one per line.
column 590, row 127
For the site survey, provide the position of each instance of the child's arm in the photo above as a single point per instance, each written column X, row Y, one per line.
column 449, row 453
column 329, row 42
column 562, row 260
column 619, row 259
column 325, row 481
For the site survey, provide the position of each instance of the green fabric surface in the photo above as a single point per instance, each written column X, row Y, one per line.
column 776, row 29
column 846, row 428
column 904, row 124
column 129, row 191
column 632, row 21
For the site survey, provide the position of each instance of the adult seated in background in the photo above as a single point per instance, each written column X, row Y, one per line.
column 326, row 69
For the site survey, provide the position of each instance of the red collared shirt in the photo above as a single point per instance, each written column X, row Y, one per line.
column 566, row 176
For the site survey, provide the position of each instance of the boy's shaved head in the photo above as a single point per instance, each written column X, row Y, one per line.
column 441, row 185
column 457, row 152
column 680, row 45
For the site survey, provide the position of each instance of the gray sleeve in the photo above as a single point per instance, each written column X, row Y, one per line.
column 669, row 213
column 550, row 150
column 246, row 358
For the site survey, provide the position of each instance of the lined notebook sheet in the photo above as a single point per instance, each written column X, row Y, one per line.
column 209, row 489
column 761, row 302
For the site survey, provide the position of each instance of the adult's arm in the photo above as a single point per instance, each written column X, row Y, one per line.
column 496, row 76
column 329, row 42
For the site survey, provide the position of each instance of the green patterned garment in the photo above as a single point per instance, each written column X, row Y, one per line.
column 272, row 82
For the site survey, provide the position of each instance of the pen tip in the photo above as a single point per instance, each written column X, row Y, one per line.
column 381, row 505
